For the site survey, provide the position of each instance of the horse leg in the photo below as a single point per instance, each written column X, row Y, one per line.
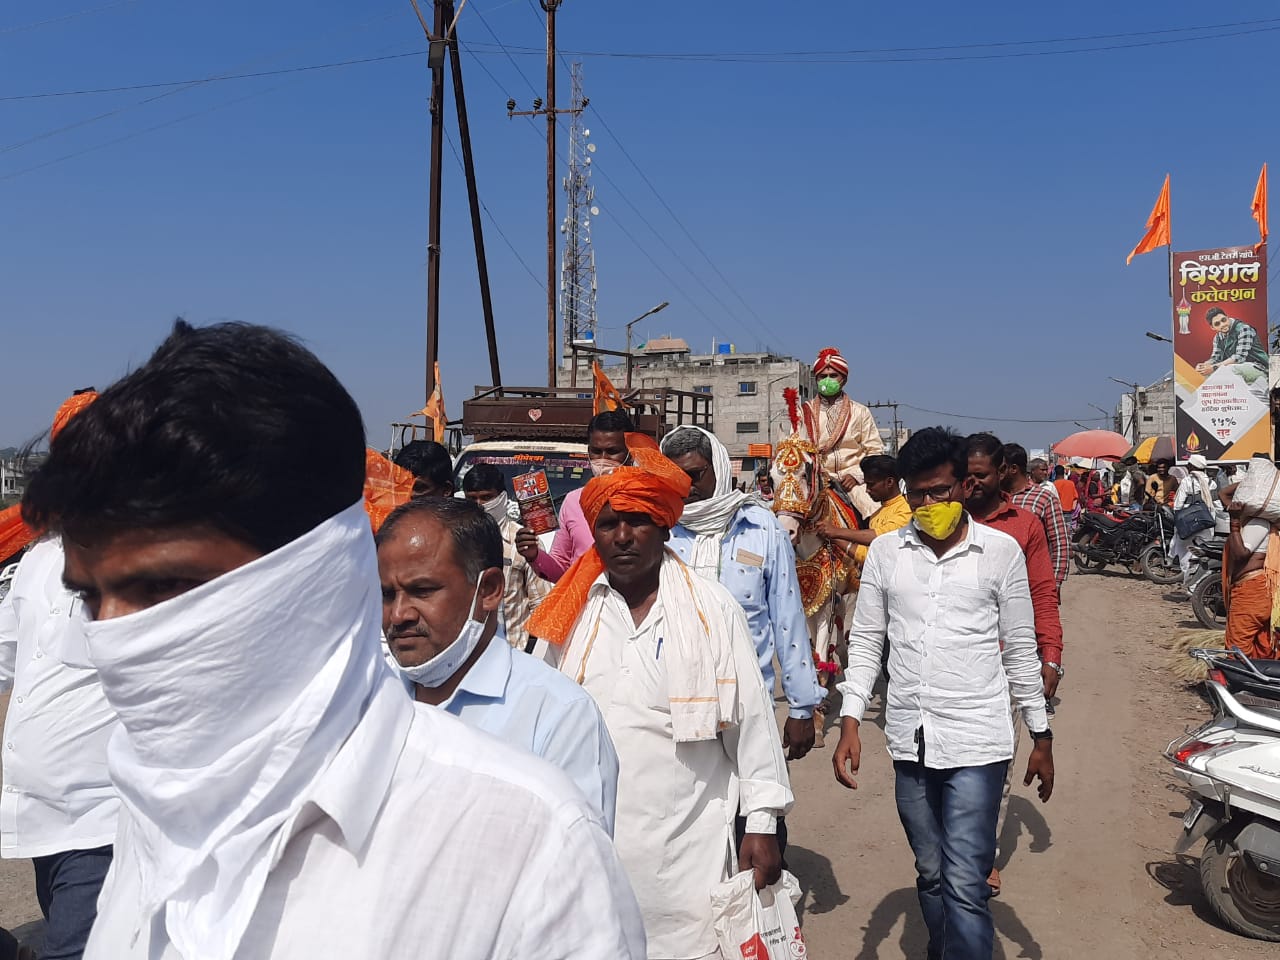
column 822, row 627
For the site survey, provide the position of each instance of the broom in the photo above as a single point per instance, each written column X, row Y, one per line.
column 1189, row 669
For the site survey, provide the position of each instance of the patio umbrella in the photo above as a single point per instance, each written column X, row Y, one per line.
column 1154, row 448
column 1093, row 445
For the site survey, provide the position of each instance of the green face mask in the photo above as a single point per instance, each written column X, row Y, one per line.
column 829, row 386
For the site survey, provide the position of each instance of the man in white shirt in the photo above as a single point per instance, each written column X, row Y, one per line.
column 669, row 658
column 485, row 486
column 281, row 796
column 58, row 806
column 439, row 562
column 950, row 596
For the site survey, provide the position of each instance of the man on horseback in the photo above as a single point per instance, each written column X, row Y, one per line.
column 843, row 430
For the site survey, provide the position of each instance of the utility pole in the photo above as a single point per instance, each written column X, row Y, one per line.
column 551, row 113
column 550, row 6
column 443, row 42
column 897, row 424
column 436, row 60
column 1133, row 417
column 473, row 199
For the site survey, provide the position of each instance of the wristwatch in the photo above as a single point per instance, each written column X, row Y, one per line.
column 1045, row 734
column 1057, row 668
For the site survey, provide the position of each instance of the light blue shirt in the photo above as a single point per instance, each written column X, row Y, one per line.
column 758, row 566
column 527, row 704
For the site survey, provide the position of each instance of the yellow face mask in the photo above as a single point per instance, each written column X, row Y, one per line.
column 939, row 520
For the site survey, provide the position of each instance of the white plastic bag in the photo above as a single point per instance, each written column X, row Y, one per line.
column 1259, row 491
column 758, row 925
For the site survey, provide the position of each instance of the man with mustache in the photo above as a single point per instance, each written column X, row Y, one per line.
column 668, row 657
column 281, row 795
column 440, row 562
column 728, row 537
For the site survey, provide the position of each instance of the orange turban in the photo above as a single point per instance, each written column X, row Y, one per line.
column 14, row 534
column 654, row 486
column 70, row 407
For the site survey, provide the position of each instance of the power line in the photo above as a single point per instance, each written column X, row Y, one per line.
column 967, row 416
column 138, row 133
column 74, row 15
column 679, row 223
column 621, row 195
column 215, row 78
column 182, row 88
column 511, row 52
column 493, row 220
column 878, row 55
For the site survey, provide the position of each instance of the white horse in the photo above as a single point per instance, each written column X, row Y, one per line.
column 804, row 499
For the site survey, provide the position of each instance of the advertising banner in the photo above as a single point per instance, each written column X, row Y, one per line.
column 1220, row 353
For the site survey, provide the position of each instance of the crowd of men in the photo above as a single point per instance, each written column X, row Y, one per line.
column 243, row 725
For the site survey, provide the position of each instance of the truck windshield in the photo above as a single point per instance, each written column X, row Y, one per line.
column 565, row 471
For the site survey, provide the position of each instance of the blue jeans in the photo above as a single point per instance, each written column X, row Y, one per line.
column 950, row 820
column 67, row 886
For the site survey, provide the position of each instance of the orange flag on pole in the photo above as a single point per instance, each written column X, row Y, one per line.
column 435, row 408
column 1260, row 205
column 607, row 396
column 1157, row 234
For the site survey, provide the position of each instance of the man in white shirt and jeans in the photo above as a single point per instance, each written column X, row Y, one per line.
column 950, row 597
column 58, row 806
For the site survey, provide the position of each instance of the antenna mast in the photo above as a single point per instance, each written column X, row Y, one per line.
column 578, row 266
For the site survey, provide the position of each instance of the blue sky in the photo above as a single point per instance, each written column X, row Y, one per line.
column 958, row 228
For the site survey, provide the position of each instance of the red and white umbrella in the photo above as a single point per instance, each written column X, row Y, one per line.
column 1093, row 445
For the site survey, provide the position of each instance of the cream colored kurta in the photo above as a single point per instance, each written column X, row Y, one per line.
column 860, row 439
column 677, row 801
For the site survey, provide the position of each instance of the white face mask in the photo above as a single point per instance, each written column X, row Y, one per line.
column 446, row 663
column 497, row 507
column 603, row 467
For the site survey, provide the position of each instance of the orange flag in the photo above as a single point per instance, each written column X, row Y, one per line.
column 607, row 396
column 1157, row 234
column 435, row 408
column 1260, row 205
column 386, row 486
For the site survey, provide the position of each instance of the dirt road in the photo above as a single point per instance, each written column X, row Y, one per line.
column 1090, row 874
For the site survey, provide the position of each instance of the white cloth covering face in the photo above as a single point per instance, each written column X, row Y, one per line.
column 234, row 698
column 709, row 519
column 57, row 794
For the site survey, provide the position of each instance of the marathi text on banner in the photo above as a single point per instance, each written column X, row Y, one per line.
column 1220, row 353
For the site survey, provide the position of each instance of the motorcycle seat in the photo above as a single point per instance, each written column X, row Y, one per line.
column 1104, row 521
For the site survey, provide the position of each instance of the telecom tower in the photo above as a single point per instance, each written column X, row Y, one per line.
column 578, row 266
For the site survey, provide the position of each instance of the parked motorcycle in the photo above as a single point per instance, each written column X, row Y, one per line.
column 1205, row 584
column 1102, row 539
column 1232, row 766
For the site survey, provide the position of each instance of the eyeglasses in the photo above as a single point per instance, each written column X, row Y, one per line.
column 695, row 476
column 942, row 493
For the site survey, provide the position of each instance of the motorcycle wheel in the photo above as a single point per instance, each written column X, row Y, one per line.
column 1083, row 563
column 1207, row 603
column 1244, row 898
column 1157, row 566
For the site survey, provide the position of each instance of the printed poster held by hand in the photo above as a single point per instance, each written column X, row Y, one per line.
column 533, row 497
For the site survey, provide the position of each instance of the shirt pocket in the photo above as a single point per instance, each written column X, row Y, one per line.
column 970, row 611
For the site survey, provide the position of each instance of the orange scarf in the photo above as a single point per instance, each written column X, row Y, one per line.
column 654, row 486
